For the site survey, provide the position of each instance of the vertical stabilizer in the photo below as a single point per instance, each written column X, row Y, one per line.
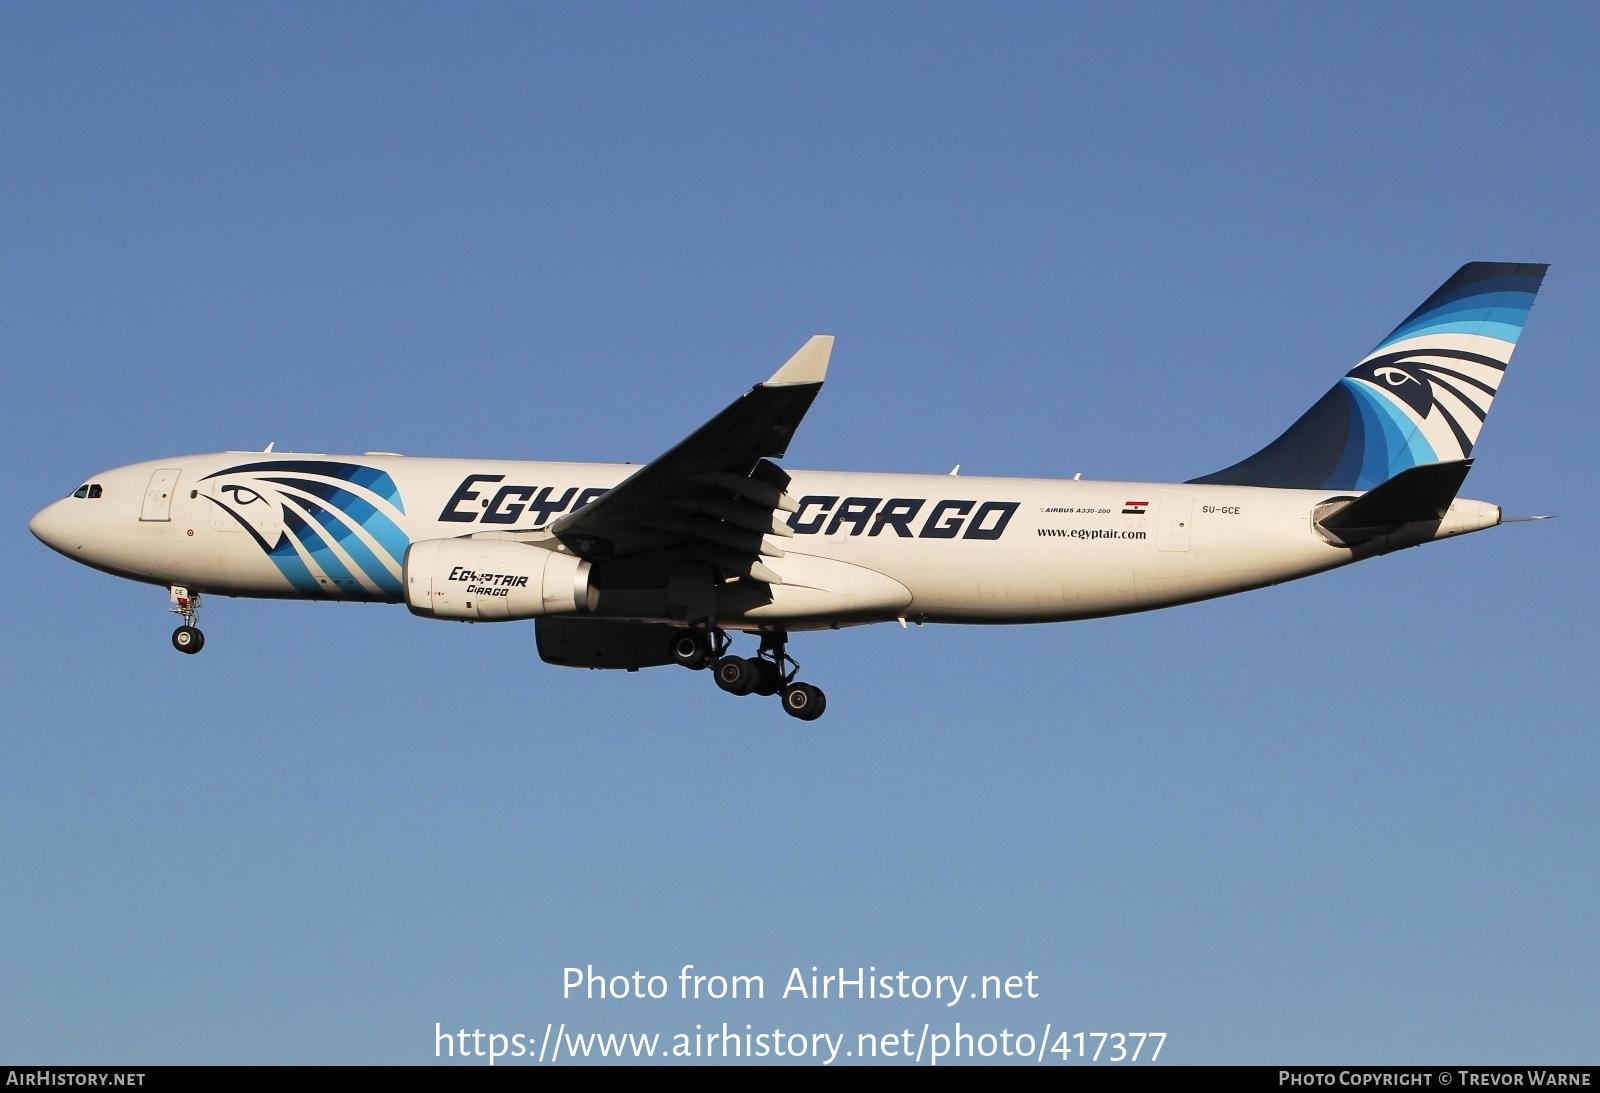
column 1419, row 397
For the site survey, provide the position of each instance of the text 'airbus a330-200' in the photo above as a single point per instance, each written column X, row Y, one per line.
column 630, row 567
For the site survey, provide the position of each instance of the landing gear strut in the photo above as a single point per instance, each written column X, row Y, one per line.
column 186, row 638
column 770, row 672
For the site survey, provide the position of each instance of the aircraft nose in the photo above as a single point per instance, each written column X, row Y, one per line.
column 48, row 526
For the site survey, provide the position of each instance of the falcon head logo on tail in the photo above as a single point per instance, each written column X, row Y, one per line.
column 1419, row 397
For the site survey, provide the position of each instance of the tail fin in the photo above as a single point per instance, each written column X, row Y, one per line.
column 1419, row 397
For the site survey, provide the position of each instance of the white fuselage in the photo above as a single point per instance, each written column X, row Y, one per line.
column 867, row 547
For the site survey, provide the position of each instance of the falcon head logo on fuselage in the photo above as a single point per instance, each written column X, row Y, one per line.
column 331, row 528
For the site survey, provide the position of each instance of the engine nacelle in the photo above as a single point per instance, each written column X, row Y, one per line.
column 492, row 580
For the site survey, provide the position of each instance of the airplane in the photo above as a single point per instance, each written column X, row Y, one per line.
column 628, row 567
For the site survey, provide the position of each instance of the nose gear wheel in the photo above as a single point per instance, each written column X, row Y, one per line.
column 186, row 638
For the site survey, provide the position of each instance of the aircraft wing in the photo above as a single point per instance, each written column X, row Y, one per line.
column 715, row 495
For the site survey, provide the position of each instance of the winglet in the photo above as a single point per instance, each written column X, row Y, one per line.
column 808, row 365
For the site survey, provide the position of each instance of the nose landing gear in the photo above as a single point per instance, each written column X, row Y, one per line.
column 186, row 638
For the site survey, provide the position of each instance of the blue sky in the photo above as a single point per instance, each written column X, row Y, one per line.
column 1350, row 819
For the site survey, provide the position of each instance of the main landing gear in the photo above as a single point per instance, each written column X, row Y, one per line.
column 186, row 638
column 770, row 672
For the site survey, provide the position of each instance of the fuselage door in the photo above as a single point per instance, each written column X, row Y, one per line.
column 158, row 495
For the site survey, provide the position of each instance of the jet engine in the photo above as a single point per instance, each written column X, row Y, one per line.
column 493, row 580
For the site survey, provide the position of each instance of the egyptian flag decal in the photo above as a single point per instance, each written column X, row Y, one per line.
column 1134, row 508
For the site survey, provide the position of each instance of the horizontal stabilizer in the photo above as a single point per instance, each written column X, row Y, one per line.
column 1417, row 495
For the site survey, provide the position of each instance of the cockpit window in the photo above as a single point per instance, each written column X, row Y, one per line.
column 88, row 489
column 94, row 489
column 81, row 491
